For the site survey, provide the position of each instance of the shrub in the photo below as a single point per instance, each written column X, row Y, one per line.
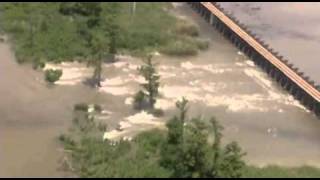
column 39, row 64
column 52, row 75
column 186, row 28
column 202, row 44
column 102, row 127
column 179, row 48
column 97, row 108
column 81, row 107
column 67, row 141
column 139, row 100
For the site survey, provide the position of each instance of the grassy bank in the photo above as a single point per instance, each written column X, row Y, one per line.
column 41, row 33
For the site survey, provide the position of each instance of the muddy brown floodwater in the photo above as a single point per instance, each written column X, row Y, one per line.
column 291, row 28
column 268, row 123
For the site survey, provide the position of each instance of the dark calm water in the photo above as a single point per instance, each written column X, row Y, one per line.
column 291, row 28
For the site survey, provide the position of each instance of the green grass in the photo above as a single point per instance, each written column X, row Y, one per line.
column 281, row 172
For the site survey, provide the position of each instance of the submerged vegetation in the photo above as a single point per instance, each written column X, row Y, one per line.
column 52, row 75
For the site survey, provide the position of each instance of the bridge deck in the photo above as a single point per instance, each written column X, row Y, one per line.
column 264, row 52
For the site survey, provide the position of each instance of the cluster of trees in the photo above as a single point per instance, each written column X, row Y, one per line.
column 190, row 148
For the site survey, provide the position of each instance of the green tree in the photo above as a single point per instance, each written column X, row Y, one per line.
column 172, row 151
column 151, row 86
column 189, row 153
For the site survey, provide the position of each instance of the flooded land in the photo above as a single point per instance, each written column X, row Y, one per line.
column 268, row 123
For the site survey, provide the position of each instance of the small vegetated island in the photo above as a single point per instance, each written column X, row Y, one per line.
column 93, row 33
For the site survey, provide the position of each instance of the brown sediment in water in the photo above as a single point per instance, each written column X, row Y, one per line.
column 265, row 120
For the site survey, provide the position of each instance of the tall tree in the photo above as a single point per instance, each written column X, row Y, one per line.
column 151, row 86
column 189, row 153
column 90, row 24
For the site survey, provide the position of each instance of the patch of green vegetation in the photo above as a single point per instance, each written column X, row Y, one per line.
column 139, row 100
column 81, row 107
column 58, row 32
column 52, row 75
column 179, row 48
column 182, row 151
column 187, row 29
column 281, row 172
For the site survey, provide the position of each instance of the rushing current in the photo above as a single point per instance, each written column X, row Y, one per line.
column 292, row 29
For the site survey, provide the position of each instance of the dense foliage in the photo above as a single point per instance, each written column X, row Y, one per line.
column 184, row 151
column 52, row 75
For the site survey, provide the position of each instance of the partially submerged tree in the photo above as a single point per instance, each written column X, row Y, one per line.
column 97, row 25
column 150, row 87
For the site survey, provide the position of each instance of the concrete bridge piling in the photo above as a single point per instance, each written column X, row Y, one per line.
column 302, row 89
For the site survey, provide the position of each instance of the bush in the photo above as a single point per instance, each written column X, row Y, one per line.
column 52, row 75
column 202, row 44
column 97, row 108
column 179, row 48
column 102, row 127
column 67, row 141
column 39, row 64
column 186, row 28
column 81, row 107
column 139, row 100
column 199, row 43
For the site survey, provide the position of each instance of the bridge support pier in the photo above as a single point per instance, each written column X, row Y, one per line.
column 317, row 109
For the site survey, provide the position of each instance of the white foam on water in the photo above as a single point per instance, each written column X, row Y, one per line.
column 236, row 103
column 114, row 81
column 106, row 112
column 164, row 75
column 164, row 104
column 213, row 69
column 125, row 125
column 273, row 94
column 143, row 118
column 116, row 91
column 120, row 64
column 133, row 66
column 113, row 134
column 258, row 77
column 128, row 101
column 250, row 63
column 240, row 53
column 239, row 64
column 174, row 92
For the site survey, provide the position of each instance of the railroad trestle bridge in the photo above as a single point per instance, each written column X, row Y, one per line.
column 288, row 77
